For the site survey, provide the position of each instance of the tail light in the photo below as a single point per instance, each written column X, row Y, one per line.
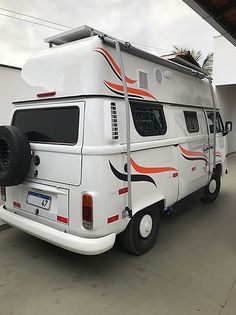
column 3, row 194
column 87, row 211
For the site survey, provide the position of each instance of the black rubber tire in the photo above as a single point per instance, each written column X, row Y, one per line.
column 15, row 156
column 132, row 241
column 208, row 196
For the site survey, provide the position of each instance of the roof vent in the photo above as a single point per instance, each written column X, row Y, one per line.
column 143, row 81
column 114, row 123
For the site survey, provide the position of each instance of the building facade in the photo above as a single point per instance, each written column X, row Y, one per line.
column 224, row 80
column 9, row 81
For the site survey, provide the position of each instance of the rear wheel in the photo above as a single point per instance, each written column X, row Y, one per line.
column 142, row 231
column 212, row 190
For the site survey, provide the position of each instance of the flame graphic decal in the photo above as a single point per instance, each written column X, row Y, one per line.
column 116, row 88
column 193, row 155
column 115, row 68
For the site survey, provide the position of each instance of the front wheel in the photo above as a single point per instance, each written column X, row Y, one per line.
column 212, row 190
column 142, row 231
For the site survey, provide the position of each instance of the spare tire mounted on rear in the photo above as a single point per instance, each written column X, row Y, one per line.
column 15, row 156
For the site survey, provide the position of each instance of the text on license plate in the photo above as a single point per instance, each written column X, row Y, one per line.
column 39, row 200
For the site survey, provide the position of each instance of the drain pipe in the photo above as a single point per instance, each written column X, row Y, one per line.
column 127, row 107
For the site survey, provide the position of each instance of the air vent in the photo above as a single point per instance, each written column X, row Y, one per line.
column 114, row 124
column 158, row 76
column 143, row 81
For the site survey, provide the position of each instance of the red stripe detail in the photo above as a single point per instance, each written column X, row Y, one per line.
column 62, row 219
column 113, row 219
column 175, row 175
column 114, row 64
column 147, row 170
column 123, row 191
column 192, row 153
column 16, row 204
column 130, row 90
column 46, row 94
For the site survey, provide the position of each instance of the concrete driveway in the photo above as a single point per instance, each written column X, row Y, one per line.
column 191, row 270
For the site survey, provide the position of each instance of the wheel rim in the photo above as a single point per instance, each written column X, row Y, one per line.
column 4, row 155
column 145, row 226
column 212, row 186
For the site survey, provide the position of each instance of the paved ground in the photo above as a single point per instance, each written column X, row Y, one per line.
column 191, row 270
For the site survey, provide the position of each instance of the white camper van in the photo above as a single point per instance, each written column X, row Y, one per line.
column 103, row 138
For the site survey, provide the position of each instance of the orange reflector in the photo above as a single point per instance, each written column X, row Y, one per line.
column 87, row 211
column 113, row 219
column 123, row 191
column 62, row 219
column 16, row 204
column 175, row 175
column 46, row 94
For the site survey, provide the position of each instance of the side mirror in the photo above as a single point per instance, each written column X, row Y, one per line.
column 228, row 126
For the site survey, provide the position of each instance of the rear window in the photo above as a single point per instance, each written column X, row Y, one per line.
column 49, row 125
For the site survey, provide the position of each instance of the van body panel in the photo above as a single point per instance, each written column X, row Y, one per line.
column 79, row 145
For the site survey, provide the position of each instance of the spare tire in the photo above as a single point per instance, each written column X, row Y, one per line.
column 15, row 156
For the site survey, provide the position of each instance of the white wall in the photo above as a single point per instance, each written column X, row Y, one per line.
column 9, row 81
column 226, row 98
column 224, row 70
column 224, row 79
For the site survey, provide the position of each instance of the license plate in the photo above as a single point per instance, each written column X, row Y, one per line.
column 39, row 200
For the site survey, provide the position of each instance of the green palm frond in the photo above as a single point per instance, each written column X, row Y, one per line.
column 207, row 64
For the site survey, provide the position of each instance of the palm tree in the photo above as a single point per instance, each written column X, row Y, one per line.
column 207, row 64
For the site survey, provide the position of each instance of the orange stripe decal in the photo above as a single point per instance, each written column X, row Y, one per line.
column 114, row 64
column 120, row 88
column 192, row 153
column 149, row 170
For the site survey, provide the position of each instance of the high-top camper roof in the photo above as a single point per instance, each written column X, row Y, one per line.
column 86, row 31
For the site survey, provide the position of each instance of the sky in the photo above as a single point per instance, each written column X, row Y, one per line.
column 156, row 23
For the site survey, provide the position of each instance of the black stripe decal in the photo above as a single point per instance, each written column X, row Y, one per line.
column 134, row 177
column 120, row 93
column 118, row 76
column 195, row 158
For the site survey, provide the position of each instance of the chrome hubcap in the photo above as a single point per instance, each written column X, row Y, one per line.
column 212, row 186
column 145, row 226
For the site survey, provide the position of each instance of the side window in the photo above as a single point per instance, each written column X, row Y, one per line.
column 149, row 119
column 191, row 121
column 219, row 123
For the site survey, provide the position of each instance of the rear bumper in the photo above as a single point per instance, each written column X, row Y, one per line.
column 85, row 246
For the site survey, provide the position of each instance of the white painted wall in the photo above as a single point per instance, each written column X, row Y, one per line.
column 226, row 98
column 9, row 81
column 224, row 70
column 224, row 79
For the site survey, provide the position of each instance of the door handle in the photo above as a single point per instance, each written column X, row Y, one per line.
column 205, row 149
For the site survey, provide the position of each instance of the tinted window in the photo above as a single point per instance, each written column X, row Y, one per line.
column 148, row 119
column 49, row 125
column 219, row 123
column 191, row 121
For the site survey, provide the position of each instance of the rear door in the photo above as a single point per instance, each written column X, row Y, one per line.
column 55, row 134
